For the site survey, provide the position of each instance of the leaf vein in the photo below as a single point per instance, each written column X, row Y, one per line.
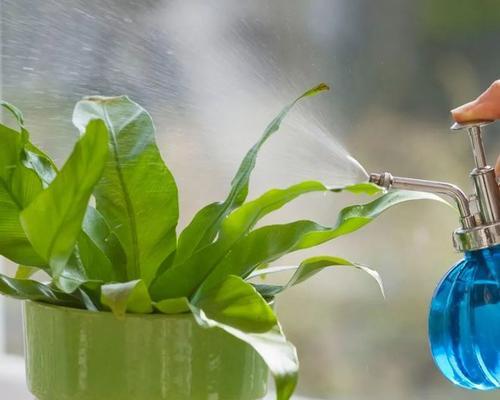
column 129, row 207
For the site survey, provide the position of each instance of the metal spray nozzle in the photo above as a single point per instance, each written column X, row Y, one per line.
column 477, row 231
column 387, row 181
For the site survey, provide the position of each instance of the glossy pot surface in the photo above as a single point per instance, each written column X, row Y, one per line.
column 81, row 355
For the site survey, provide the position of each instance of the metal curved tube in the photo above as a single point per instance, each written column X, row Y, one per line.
column 387, row 181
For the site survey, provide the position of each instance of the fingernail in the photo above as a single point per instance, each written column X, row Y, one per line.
column 458, row 109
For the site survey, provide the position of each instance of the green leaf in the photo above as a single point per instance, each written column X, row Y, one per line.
column 277, row 352
column 24, row 272
column 18, row 186
column 96, row 264
column 33, row 158
column 178, row 305
column 206, row 223
column 190, row 238
column 183, row 279
column 26, row 289
column 16, row 112
column 360, row 188
column 73, row 275
column 355, row 217
column 137, row 195
column 244, row 218
column 87, row 300
column 38, row 162
column 130, row 296
column 20, row 183
column 42, row 170
column 236, row 303
column 306, row 270
column 98, row 231
column 268, row 292
column 98, row 250
column 271, row 242
column 52, row 221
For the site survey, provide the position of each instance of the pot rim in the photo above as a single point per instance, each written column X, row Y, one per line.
column 109, row 314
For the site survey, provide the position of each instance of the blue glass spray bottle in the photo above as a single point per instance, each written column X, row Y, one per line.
column 464, row 319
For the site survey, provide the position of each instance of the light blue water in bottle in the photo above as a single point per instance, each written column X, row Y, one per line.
column 464, row 321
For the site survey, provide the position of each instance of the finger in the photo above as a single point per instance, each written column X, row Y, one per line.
column 497, row 167
column 465, row 112
column 486, row 106
column 477, row 110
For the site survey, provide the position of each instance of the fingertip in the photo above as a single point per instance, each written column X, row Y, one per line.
column 497, row 167
column 464, row 113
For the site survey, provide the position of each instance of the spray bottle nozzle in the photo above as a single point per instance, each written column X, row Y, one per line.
column 387, row 181
column 477, row 231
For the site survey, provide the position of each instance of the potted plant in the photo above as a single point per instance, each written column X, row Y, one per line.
column 187, row 319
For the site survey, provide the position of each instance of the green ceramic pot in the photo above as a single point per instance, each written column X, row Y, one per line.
column 81, row 355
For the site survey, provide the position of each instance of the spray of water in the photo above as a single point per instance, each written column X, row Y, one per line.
column 213, row 73
column 238, row 83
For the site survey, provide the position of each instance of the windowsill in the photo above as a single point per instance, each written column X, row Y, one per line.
column 12, row 378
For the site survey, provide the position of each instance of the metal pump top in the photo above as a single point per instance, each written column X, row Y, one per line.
column 479, row 212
